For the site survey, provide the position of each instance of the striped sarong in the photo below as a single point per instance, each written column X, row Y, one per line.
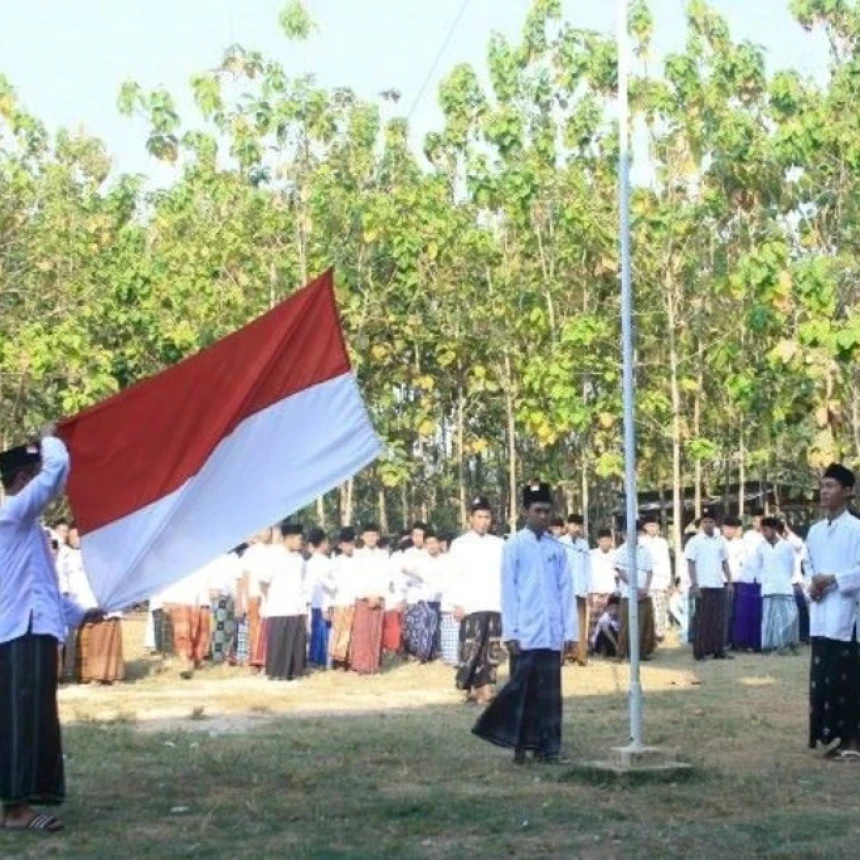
column 99, row 652
column 31, row 752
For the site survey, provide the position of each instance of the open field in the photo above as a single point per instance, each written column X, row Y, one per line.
column 386, row 767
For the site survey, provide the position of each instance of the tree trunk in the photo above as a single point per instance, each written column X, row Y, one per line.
column 382, row 510
column 584, row 479
column 346, row 508
column 461, row 457
column 404, row 505
column 742, row 486
column 697, row 430
column 855, row 411
column 321, row 519
column 512, row 445
column 677, row 489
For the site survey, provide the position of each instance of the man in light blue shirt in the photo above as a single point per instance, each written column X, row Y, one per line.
column 538, row 622
column 33, row 621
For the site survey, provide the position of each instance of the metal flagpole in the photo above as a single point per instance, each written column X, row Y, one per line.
column 628, row 384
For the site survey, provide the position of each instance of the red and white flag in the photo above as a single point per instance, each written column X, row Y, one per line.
column 172, row 472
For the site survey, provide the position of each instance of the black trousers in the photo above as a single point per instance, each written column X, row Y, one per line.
column 31, row 751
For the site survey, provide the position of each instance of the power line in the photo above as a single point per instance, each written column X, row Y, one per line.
column 439, row 54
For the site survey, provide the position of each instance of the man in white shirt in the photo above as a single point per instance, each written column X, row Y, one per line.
column 287, row 601
column 187, row 602
column 602, row 580
column 539, row 621
column 661, row 580
column 644, row 577
column 579, row 558
column 371, row 588
column 343, row 605
column 708, row 567
column 775, row 565
column 833, row 560
column 797, row 582
column 33, row 621
column 421, row 568
column 753, row 536
column 748, row 607
column 93, row 652
column 256, row 565
column 223, row 578
column 320, row 577
column 476, row 562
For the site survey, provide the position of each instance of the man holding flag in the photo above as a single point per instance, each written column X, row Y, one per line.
column 33, row 620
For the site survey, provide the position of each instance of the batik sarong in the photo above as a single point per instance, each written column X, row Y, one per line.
column 480, row 650
column 422, row 630
column 834, row 692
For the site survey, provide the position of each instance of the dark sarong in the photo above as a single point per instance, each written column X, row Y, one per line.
column 527, row 712
column 834, row 692
column 286, row 647
column 647, row 634
column 392, row 631
column 223, row 629
column 318, row 650
column 802, row 613
column 422, row 631
column 99, row 652
column 710, row 625
column 365, row 649
column 746, row 626
column 31, row 752
column 480, row 650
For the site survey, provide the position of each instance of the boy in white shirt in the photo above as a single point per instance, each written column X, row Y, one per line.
column 287, row 609
column 775, row 565
column 644, row 575
column 708, row 566
column 320, row 575
column 343, row 605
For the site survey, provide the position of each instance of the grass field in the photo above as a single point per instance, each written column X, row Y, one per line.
column 339, row 765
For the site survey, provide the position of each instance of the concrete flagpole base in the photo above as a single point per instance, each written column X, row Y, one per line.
column 634, row 764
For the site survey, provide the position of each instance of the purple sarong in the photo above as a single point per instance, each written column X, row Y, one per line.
column 746, row 627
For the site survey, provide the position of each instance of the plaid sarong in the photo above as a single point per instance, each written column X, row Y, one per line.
column 243, row 650
column 223, row 628
column 450, row 637
column 527, row 712
column 660, row 605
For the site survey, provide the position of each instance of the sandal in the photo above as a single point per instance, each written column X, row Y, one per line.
column 848, row 756
column 40, row 822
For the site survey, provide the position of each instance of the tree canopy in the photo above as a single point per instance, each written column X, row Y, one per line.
column 478, row 280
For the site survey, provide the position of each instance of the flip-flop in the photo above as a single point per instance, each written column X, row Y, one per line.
column 833, row 753
column 846, row 756
column 41, row 822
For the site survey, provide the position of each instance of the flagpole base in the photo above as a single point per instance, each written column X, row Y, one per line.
column 634, row 764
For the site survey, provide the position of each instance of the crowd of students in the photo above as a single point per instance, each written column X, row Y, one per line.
column 289, row 601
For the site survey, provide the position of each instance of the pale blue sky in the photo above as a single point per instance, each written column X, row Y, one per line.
column 67, row 58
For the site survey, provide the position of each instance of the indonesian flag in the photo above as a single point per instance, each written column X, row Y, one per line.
column 172, row 472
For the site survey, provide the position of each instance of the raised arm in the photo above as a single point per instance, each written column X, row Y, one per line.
column 27, row 506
